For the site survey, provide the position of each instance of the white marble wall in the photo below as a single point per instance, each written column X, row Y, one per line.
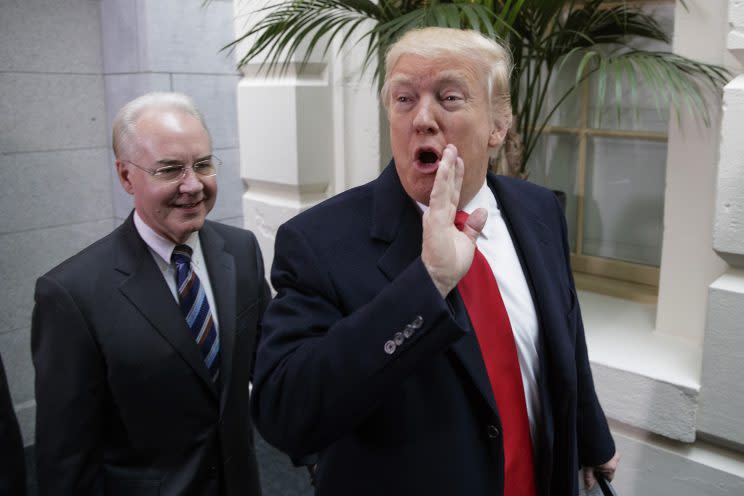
column 55, row 194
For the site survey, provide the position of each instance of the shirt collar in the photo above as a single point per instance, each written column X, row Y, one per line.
column 484, row 198
column 161, row 246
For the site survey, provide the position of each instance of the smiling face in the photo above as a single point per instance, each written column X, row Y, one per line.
column 434, row 102
column 164, row 137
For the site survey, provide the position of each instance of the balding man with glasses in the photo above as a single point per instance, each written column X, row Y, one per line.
column 143, row 343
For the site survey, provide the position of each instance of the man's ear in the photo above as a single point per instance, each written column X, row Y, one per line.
column 498, row 133
column 125, row 176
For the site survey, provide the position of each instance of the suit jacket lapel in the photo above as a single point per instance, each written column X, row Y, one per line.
column 221, row 267
column 148, row 293
column 396, row 220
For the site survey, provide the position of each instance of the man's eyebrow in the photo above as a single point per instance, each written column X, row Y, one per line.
column 400, row 79
column 169, row 161
column 174, row 161
column 452, row 77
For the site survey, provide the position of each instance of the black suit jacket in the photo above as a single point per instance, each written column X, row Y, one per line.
column 124, row 401
column 420, row 419
column 12, row 460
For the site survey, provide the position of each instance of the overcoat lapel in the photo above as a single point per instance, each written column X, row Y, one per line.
column 221, row 267
column 531, row 241
column 146, row 290
column 469, row 353
column 528, row 232
column 396, row 220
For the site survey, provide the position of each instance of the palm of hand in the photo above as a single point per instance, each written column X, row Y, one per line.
column 447, row 252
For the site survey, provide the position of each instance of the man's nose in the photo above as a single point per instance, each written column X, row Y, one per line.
column 191, row 182
column 425, row 120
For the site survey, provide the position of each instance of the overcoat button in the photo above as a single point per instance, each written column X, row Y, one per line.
column 408, row 331
column 493, row 431
column 389, row 347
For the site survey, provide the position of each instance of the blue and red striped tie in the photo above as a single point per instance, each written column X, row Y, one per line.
column 195, row 308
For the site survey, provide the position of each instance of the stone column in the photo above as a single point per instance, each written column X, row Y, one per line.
column 722, row 391
column 305, row 133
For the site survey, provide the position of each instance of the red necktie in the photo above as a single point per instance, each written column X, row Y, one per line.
column 480, row 292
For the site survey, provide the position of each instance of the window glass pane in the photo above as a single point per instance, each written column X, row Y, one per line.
column 637, row 113
column 624, row 202
column 553, row 165
column 642, row 111
column 568, row 113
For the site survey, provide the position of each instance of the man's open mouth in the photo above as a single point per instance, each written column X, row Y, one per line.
column 427, row 156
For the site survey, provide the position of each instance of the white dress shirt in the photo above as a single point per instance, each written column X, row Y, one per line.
column 161, row 250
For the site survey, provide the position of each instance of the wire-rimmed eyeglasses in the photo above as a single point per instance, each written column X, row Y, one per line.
column 175, row 171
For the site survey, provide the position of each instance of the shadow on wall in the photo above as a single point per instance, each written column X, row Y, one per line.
column 278, row 476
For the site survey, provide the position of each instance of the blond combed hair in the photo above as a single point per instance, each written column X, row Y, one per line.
column 491, row 57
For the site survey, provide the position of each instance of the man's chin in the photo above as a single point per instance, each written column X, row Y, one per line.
column 421, row 195
column 185, row 228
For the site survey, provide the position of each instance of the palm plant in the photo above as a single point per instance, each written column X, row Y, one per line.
column 594, row 38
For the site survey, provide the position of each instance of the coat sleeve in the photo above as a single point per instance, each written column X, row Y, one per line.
column 70, row 391
column 595, row 443
column 322, row 367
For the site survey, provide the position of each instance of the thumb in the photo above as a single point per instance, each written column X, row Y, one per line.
column 474, row 225
column 589, row 479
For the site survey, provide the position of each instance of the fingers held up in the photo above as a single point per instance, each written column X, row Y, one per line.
column 445, row 193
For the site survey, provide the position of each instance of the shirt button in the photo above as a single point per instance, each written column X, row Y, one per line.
column 493, row 431
column 390, row 347
column 417, row 322
column 398, row 339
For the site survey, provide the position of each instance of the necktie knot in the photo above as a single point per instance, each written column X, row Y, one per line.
column 182, row 254
column 460, row 218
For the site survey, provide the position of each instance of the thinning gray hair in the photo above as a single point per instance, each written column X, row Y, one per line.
column 491, row 57
column 125, row 122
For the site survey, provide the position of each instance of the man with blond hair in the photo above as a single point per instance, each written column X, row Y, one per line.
column 426, row 338
column 143, row 343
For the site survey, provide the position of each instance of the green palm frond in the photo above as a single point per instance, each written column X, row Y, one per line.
column 600, row 39
column 304, row 25
column 284, row 28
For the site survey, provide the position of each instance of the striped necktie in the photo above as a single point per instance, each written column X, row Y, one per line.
column 480, row 293
column 195, row 308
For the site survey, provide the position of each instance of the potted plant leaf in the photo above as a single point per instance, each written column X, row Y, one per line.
column 593, row 38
